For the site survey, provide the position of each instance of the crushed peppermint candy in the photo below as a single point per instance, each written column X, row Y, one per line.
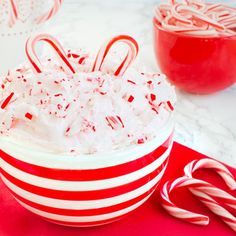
column 81, row 111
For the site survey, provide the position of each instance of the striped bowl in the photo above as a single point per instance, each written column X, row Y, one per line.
column 85, row 190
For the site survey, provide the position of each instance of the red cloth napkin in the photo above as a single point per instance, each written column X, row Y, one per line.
column 149, row 219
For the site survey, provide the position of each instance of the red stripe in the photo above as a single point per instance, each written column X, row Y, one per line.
column 117, row 72
column 84, row 195
column 13, row 6
column 7, row 100
column 87, row 174
column 109, row 46
column 195, row 219
column 61, row 54
column 38, row 70
column 84, row 212
column 226, row 219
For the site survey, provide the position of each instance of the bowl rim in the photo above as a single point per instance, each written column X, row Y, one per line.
column 38, row 157
column 157, row 26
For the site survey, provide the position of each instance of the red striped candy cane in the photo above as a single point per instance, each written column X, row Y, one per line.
column 222, row 171
column 33, row 58
column 176, row 211
column 219, row 168
column 13, row 13
column 217, row 209
column 129, row 58
column 194, row 186
column 203, row 190
column 48, row 15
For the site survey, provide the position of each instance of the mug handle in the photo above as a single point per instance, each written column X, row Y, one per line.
column 49, row 14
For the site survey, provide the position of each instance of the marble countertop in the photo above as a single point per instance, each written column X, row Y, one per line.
column 204, row 123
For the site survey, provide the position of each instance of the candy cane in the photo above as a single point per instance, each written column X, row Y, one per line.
column 205, row 196
column 13, row 13
column 130, row 57
column 196, row 17
column 214, row 206
column 48, row 15
column 219, row 168
column 176, row 211
column 203, row 190
column 34, row 60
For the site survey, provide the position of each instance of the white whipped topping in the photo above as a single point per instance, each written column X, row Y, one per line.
column 86, row 112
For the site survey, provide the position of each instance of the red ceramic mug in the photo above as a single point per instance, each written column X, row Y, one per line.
column 200, row 65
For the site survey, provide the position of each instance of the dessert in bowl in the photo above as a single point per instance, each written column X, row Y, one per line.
column 195, row 45
column 83, row 143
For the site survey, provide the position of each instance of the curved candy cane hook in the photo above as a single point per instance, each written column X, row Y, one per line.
column 219, row 168
column 41, row 19
column 130, row 57
column 34, row 60
column 13, row 13
column 176, row 211
column 204, row 191
column 49, row 14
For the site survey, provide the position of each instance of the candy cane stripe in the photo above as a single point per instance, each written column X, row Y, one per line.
column 34, row 60
column 178, row 212
column 206, row 192
column 211, row 164
column 225, row 215
column 48, row 15
column 129, row 58
column 13, row 13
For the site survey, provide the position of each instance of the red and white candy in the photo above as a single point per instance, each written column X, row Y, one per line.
column 206, row 192
column 33, row 58
column 218, row 167
column 195, row 17
column 216, row 208
column 16, row 14
column 81, row 103
column 13, row 13
column 49, row 14
column 129, row 58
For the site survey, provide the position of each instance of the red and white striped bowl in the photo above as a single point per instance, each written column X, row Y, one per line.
column 85, row 190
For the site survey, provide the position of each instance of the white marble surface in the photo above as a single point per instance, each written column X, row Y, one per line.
column 205, row 123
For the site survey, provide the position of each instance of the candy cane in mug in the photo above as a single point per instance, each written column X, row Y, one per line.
column 130, row 57
column 196, row 17
column 49, row 14
column 13, row 13
column 33, row 58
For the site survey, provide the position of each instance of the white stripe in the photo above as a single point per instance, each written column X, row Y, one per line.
column 84, row 218
column 95, row 161
column 181, row 213
column 79, row 205
column 84, row 185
